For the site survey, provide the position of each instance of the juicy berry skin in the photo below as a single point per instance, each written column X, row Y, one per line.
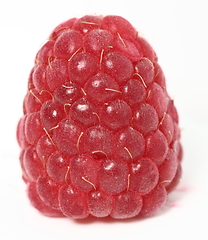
column 100, row 134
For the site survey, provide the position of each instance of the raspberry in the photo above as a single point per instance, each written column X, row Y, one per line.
column 100, row 134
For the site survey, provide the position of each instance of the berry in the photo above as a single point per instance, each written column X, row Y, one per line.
column 99, row 135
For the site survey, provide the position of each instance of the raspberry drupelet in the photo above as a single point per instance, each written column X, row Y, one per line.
column 100, row 135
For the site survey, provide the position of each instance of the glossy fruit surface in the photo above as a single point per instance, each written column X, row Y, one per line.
column 100, row 134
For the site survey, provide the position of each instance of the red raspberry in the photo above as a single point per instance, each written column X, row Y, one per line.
column 100, row 133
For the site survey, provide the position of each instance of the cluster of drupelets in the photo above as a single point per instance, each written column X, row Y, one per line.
column 99, row 134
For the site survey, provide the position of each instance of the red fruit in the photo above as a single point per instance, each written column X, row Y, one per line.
column 143, row 176
column 126, row 205
column 114, row 176
column 84, row 172
column 117, row 66
column 67, row 43
column 39, row 204
column 99, row 134
column 32, row 164
column 100, row 203
column 73, row 202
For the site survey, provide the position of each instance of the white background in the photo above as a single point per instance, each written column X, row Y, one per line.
column 177, row 30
